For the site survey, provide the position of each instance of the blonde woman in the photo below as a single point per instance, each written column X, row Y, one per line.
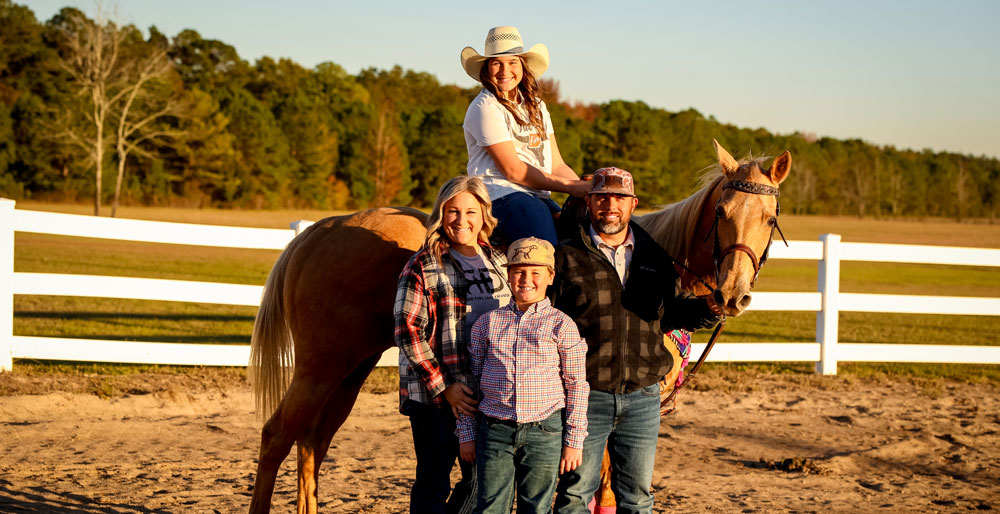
column 454, row 278
column 510, row 140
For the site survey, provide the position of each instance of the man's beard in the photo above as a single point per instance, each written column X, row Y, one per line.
column 608, row 227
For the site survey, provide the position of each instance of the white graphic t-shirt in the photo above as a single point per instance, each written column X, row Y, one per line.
column 487, row 287
column 487, row 122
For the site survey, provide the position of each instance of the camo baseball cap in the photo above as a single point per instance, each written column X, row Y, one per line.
column 612, row 181
column 531, row 251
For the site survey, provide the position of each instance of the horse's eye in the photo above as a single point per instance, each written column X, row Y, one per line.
column 773, row 222
column 720, row 212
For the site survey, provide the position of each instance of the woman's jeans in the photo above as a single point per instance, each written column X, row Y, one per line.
column 630, row 424
column 522, row 215
column 525, row 454
column 436, row 447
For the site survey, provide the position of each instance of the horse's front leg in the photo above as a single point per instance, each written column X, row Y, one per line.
column 604, row 500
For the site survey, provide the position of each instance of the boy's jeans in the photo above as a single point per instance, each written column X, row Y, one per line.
column 523, row 453
column 630, row 423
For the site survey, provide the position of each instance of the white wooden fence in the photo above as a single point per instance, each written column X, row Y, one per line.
column 827, row 301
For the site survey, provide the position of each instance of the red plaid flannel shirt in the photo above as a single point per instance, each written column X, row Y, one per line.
column 429, row 313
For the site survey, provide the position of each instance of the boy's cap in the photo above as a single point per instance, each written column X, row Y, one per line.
column 531, row 251
column 612, row 181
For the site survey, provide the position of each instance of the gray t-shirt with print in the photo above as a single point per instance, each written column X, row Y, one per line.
column 488, row 288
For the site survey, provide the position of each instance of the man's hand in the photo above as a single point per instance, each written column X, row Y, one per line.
column 712, row 306
column 571, row 459
column 467, row 451
column 460, row 397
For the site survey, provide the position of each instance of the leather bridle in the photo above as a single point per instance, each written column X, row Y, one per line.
column 753, row 188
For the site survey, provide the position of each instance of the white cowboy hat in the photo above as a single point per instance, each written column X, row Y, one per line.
column 505, row 41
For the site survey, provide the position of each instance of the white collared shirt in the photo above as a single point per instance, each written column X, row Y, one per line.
column 620, row 256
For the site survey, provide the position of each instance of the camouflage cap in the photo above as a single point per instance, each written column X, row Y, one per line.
column 531, row 251
column 612, row 181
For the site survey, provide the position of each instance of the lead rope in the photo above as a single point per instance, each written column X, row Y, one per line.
column 701, row 360
column 708, row 347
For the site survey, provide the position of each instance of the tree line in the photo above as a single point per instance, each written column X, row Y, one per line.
column 93, row 110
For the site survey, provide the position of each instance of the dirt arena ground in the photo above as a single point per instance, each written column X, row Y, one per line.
column 744, row 442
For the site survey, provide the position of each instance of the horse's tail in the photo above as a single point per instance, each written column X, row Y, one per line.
column 271, row 356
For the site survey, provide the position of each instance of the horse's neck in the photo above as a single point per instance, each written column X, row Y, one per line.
column 700, row 256
column 682, row 230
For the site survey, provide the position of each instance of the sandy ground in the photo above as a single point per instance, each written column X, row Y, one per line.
column 772, row 444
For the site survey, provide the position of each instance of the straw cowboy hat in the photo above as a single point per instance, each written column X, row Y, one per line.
column 505, row 41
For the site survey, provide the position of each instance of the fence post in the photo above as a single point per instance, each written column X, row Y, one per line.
column 828, row 317
column 300, row 226
column 6, row 284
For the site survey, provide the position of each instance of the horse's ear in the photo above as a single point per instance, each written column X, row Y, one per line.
column 727, row 162
column 780, row 167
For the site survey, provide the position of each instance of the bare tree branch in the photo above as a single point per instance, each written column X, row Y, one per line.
column 119, row 85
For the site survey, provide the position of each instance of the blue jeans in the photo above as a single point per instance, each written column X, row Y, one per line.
column 436, row 446
column 630, row 425
column 523, row 215
column 523, row 453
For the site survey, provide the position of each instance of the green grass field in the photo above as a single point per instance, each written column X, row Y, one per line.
column 124, row 319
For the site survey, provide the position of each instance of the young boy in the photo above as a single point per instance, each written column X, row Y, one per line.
column 528, row 359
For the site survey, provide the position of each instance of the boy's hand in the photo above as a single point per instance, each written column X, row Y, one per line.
column 571, row 458
column 467, row 451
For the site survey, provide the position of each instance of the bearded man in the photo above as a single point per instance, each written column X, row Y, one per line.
column 619, row 286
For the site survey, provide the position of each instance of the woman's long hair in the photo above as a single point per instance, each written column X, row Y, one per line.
column 435, row 240
column 528, row 89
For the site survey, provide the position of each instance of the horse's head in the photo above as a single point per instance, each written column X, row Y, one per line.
column 746, row 217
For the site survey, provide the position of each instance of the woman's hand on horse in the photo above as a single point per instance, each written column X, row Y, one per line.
column 579, row 189
column 467, row 451
column 460, row 397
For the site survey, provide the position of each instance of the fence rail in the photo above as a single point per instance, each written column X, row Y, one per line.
column 827, row 301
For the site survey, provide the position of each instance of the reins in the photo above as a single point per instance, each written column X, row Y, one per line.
column 697, row 365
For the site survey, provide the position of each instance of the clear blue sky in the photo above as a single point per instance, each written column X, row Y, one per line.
column 914, row 74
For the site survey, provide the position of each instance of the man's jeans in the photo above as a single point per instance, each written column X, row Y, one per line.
column 436, row 447
column 630, row 424
column 522, row 215
column 523, row 453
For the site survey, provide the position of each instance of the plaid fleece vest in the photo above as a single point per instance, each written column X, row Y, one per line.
column 623, row 326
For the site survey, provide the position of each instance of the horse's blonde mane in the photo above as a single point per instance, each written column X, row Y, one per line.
column 672, row 225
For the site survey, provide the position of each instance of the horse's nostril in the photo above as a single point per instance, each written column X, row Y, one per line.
column 744, row 302
column 717, row 295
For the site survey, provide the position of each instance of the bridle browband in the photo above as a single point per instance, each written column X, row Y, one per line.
column 753, row 188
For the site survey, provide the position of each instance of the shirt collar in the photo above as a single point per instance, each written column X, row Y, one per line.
column 599, row 243
column 533, row 309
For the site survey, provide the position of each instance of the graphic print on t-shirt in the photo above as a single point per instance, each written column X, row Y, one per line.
column 483, row 285
column 486, row 287
column 533, row 142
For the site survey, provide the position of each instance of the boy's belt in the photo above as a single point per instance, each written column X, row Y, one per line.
column 489, row 420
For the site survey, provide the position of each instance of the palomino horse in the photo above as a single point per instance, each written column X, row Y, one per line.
column 328, row 301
